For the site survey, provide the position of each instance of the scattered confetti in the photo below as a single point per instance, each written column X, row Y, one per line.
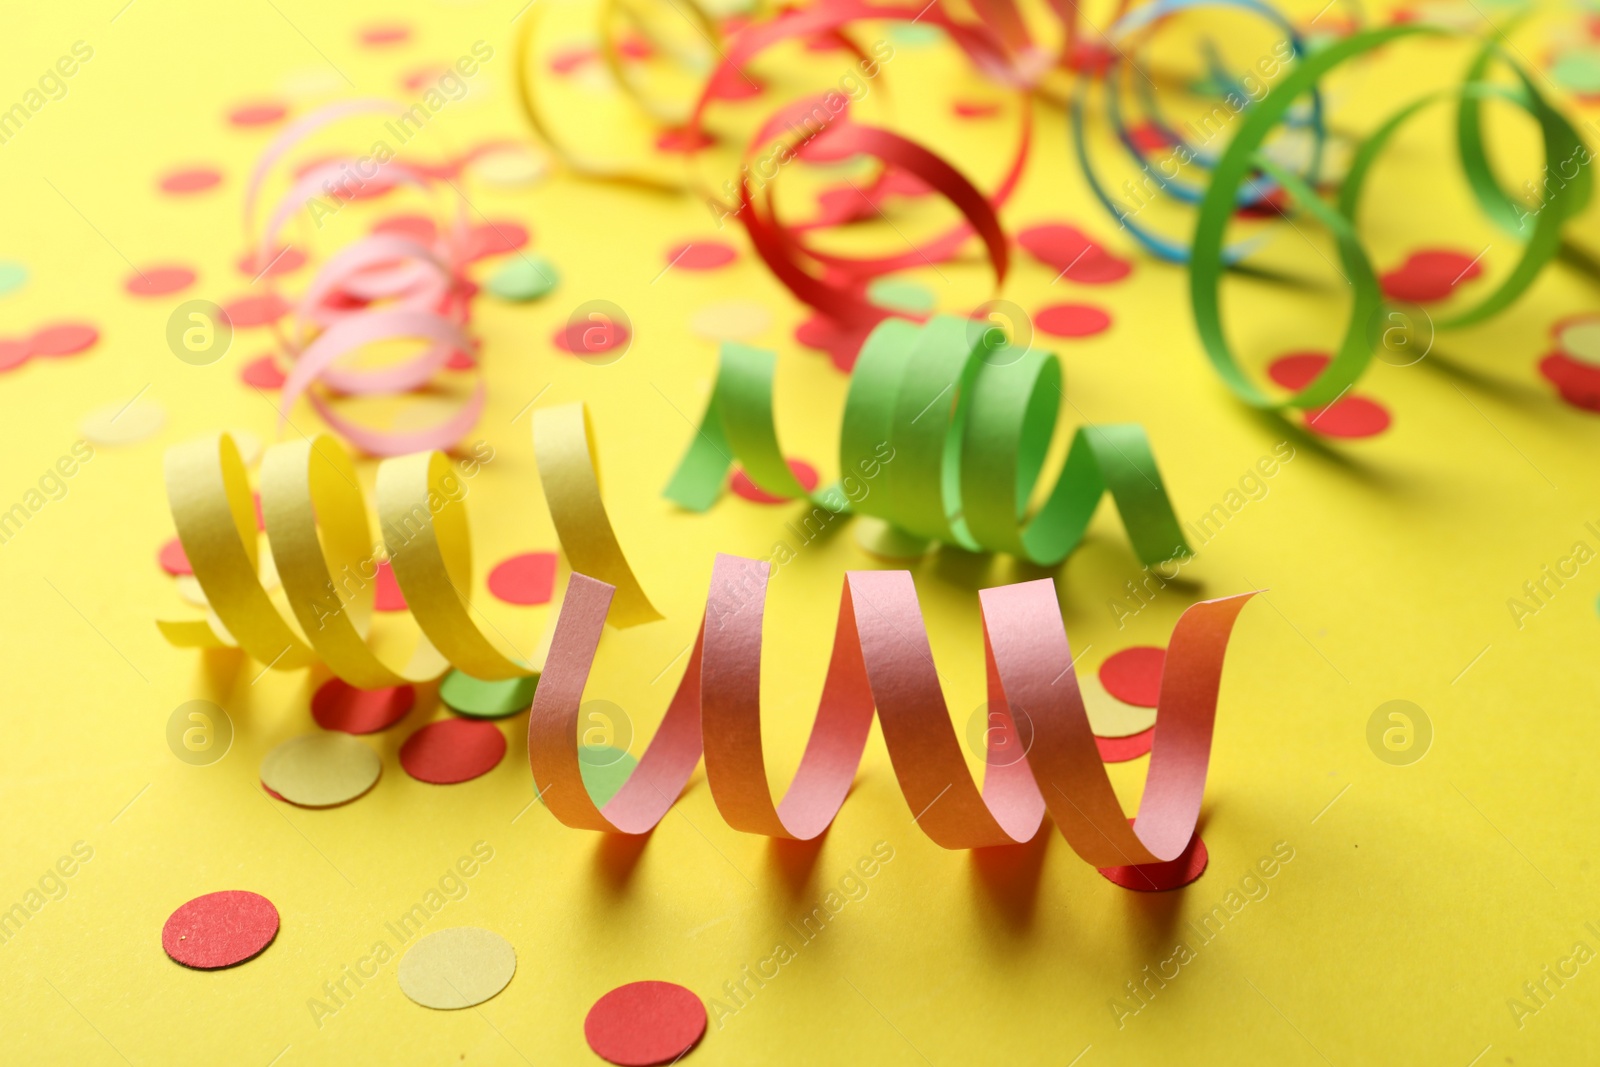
column 730, row 320
column 380, row 35
column 13, row 276
column 1076, row 256
column 158, row 281
column 386, row 594
column 63, row 339
column 1155, row 877
column 285, row 260
column 457, row 968
column 1072, row 320
column 645, row 1023
column 262, row 372
column 509, row 167
column 741, row 484
column 338, row 705
column 1430, row 274
column 701, row 255
column 246, row 311
column 479, row 699
column 1123, row 749
column 528, row 578
column 264, row 113
column 220, row 929
column 523, row 278
column 453, row 750
column 1133, row 675
column 320, row 770
column 1296, row 370
column 189, row 181
column 172, row 558
column 1349, row 417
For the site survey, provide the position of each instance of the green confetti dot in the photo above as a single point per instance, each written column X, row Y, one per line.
column 524, row 278
column 901, row 295
column 478, row 699
column 12, row 276
column 915, row 35
column 604, row 770
column 1578, row 72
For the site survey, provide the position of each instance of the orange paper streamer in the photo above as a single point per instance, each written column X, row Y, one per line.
column 881, row 660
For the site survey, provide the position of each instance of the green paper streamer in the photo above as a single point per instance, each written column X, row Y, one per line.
column 1243, row 156
column 946, row 429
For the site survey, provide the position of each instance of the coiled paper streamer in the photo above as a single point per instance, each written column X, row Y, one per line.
column 881, row 660
column 1244, row 174
column 380, row 288
column 967, row 422
column 317, row 525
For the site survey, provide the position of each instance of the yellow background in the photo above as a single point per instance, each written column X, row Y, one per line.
column 1414, row 907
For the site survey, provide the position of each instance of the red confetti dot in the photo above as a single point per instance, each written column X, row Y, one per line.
column 261, row 310
column 1148, row 137
column 338, row 705
column 1296, row 370
column 974, row 109
column 841, row 343
column 684, row 141
column 285, row 260
column 567, row 60
column 1072, row 320
column 1349, row 416
column 172, row 558
column 1430, row 274
column 191, row 180
column 63, row 339
column 528, row 578
column 1089, row 59
column 589, row 338
column 1578, row 382
column 418, row 228
column 263, row 113
column 1155, row 877
column 453, row 750
column 1123, row 749
column 13, row 353
column 741, row 484
column 635, row 47
column 220, row 929
column 386, row 589
column 381, row 35
column 460, row 361
column 645, row 1023
column 156, row 281
column 701, row 255
column 1076, row 255
column 495, row 237
column 1133, row 675
column 263, row 373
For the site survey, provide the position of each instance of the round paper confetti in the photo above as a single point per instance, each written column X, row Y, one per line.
column 383, row 34
column 320, row 770
column 1581, row 341
column 1350, row 417
column 701, row 255
column 730, row 320
column 496, row 237
column 478, row 699
column 509, row 167
column 1071, row 320
column 1123, row 749
column 742, row 486
column 901, row 294
column 645, row 1023
column 528, row 578
column 1073, row 253
column 158, row 281
column 263, row 113
column 386, row 594
column 261, row 310
column 1296, row 370
column 285, row 260
column 263, row 373
column 584, row 339
column 13, row 353
column 1430, row 274
column 1155, row 877
column 124, row 423
column 418, row 228
column 1110, row 717
column 191, row 180
column 338, row 705
column 453, row 750
column 1133, row 675
column 63, row 339
column 172, row 558
column 457, row 968
column 523, row 278
column 974, row 109
column 12, row 276
column 220, row 929
column 605, row 770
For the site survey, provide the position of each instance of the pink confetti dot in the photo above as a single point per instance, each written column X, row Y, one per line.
column 63, row 339
column 583, row 339
column 172, row 558
column 567, row 60
column 13, row 353
column 285, row 260
column 528, row 578
column 385, row 34
column 701, row 255
column 1155, row 877
column 220, row 929
column 1072, row 320
column 338, row 705
column 1133, row 675
column 1349, row 417
column 263, row 373
column 157, row 281
column 418, row 228
column 248, row 311
column 496, row 237
column 645, row 1023
column 453, row 750
column 741, row 484
column 260, row 113
column 189, row 181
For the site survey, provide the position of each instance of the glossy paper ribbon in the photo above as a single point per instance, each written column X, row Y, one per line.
column 882, row 661
column 318, row 528
column 948, row 428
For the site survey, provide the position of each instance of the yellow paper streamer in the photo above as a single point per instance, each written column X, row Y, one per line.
column 317, row 525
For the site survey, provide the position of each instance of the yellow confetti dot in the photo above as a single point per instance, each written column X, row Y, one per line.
column 731, row 320
column 319, row 770
column 457, row 968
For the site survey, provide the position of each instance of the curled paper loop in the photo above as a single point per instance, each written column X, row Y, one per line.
column 948, row 428
column 317, row 525
column 881, row 662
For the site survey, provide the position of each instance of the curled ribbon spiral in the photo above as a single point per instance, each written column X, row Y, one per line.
column 881, row 660
column 966, row 421
column 317, row 526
